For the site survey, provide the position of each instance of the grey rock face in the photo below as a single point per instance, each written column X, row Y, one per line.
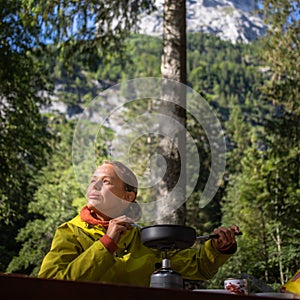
column 231, row 20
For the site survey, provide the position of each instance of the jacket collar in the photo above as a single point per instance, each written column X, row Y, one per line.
column 88, row 216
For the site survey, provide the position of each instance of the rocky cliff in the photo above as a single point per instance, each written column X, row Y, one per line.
column 232, row 20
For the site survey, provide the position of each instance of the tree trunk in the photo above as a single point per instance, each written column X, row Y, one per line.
column 173, row 67
column 278, row 233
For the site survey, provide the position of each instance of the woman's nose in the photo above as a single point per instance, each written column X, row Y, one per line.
column 98, row 184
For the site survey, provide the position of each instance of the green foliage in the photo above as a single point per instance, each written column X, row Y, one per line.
column 52, row 203
column 24, row 138
column 263, row 196
column 86, row 27
column 282, row 53
column 267, row 211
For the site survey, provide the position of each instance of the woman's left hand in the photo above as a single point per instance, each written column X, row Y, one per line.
column 227, row 237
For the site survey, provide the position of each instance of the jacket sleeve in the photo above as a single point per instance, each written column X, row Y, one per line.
column 67, row 258
column 199, row 263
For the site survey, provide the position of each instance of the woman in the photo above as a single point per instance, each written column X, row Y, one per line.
column 101, row 245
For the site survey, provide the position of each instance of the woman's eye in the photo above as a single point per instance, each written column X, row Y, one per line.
column 106, row 181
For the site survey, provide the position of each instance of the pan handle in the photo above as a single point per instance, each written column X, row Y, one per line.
column 135, row 225
column 212, row 236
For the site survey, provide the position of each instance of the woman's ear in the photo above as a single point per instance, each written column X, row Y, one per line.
column 130, row 196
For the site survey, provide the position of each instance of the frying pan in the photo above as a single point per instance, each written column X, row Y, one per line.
column 168, row 236
column 171, row 236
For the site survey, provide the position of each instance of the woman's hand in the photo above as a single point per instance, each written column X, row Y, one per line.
column 117, row 227
column 226, row 239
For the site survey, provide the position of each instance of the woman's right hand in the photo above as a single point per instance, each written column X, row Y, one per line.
column 117, row 227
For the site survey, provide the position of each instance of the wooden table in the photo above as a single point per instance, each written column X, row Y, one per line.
column 20, row 287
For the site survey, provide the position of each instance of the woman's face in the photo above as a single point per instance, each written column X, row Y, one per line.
column 106, row 193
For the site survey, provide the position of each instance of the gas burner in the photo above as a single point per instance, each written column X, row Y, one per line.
column 165, row 277
column 166, row 238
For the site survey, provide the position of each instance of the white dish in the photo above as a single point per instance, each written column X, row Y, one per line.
column 212, row 291
column 276, row 295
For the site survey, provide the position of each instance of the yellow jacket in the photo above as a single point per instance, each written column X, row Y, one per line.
column 293, row 285
column 77, row 254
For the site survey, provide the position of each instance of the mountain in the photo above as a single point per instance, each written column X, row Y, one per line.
column 231, row 20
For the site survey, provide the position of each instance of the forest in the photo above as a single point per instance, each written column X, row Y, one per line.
column 252, row 88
